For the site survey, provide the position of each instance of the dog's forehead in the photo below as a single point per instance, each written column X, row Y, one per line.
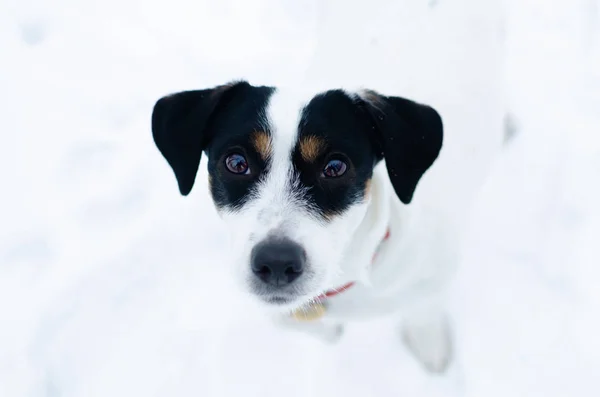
column 294, row 113
column 283, row 115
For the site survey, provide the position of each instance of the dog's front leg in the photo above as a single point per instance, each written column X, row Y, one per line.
column 327, row 332
column 426, row 333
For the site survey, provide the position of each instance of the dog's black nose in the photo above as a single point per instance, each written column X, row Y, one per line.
column 278, row 262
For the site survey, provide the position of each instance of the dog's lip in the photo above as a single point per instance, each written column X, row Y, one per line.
column 278, row 299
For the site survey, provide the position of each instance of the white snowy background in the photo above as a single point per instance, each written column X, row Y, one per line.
column 111, row 284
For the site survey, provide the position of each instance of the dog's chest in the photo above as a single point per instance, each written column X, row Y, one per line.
column 348, row 299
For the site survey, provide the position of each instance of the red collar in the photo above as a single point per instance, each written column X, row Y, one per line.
column 335, row 291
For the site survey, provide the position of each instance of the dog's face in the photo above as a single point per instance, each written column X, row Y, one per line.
column 290, row 175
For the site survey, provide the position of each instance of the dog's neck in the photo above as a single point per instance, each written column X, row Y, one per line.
column 370, row 233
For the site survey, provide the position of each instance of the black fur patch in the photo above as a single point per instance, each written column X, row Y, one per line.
column 346, row 130
column 233, row 127
column 219, row 121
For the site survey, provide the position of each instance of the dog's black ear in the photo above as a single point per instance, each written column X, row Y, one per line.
column 181, row 128
column 409, row 138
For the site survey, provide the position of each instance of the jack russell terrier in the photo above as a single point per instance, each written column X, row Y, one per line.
column 319, row 193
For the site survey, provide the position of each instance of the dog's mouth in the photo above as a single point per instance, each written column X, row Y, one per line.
column 287, row 297
column 278, row 300
column 284, row 302
column 283, row 297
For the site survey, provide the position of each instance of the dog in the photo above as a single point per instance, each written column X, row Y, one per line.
column 320, row 191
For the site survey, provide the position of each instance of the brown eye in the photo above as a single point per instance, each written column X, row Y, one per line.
column 334, row 168
column 237, row 164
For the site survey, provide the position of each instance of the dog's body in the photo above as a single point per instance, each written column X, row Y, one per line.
column 405, row 275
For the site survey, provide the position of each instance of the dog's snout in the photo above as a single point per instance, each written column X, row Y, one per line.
column 278, row 262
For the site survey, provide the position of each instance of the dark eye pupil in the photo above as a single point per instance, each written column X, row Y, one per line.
column 237, row 164
column 334, row 168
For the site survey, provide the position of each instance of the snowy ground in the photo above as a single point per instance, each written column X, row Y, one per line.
column 89, row 305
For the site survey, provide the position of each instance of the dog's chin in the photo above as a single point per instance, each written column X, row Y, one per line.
column 283, row 303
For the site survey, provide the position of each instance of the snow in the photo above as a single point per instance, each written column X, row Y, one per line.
column 112, row 285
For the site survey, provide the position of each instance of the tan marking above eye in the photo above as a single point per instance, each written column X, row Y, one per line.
column 311, row 147
column 262, row 143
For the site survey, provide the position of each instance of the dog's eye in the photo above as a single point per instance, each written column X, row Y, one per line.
column 237, row 164
column 334, row 168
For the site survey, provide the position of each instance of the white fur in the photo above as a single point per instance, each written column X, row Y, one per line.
column 420, row 56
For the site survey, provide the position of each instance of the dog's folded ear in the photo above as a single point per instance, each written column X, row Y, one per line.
column 181, row 128
column 409, row 138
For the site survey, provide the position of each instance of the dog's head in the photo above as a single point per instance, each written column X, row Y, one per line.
column 290, row 176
